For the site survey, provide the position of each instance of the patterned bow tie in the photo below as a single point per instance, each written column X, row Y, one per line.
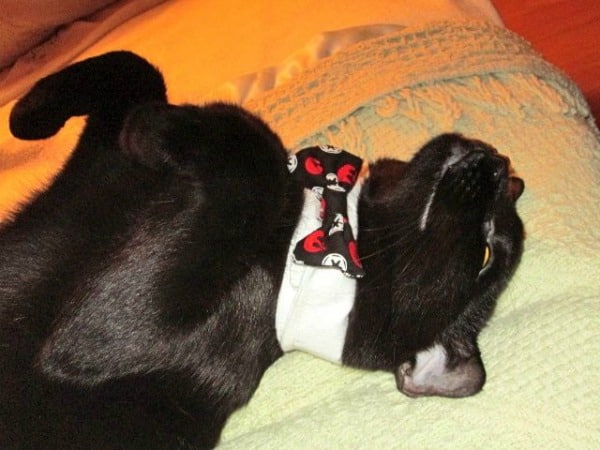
column 330, row 173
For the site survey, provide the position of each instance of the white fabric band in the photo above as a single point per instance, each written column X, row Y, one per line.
column 314, row 302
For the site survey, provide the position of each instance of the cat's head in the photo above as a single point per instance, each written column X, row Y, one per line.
column 436, row 234
column 456, row 195
column 470, row 197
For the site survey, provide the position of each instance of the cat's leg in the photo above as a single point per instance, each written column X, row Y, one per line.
column 452, row 366
column 104, row 87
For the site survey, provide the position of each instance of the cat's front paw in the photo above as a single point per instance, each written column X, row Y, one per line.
column 430, row 374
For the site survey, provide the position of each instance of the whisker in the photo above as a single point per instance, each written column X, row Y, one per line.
column 392, row 245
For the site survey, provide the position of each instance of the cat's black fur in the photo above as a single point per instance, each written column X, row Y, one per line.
column 138, row 292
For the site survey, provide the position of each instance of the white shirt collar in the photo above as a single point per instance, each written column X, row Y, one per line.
column 314, row 302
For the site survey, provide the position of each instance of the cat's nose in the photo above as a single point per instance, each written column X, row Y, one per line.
column 499, row 166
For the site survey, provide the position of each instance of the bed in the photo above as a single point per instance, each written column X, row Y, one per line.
column 379, row 80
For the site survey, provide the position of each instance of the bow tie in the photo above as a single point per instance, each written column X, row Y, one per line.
column 329, row 173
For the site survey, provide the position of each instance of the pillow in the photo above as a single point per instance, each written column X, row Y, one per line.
column 37, row 39
column 205, row 44
column 26, row 23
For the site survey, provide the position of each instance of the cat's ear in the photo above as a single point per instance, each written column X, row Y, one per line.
column 144, row 133
column 382, row 181
column 516, row 186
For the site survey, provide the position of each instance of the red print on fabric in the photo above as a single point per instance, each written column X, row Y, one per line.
column 353, row 250
column 314, row 242
column 313, row 166
column 347, row 174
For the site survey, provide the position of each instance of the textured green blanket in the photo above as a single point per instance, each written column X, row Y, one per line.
column 386, row 97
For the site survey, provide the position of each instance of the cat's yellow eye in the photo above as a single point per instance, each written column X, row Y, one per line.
column 486, row 255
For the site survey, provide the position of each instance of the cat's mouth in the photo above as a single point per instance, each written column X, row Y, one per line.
column 473, row 174
column 475, row 171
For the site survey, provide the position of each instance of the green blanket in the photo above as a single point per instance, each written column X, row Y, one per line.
column 386, row 97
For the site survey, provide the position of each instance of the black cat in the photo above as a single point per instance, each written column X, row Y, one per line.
column 138, row 293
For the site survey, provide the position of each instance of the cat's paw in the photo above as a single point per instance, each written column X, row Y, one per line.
column 38, row 115
column 430, row 374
